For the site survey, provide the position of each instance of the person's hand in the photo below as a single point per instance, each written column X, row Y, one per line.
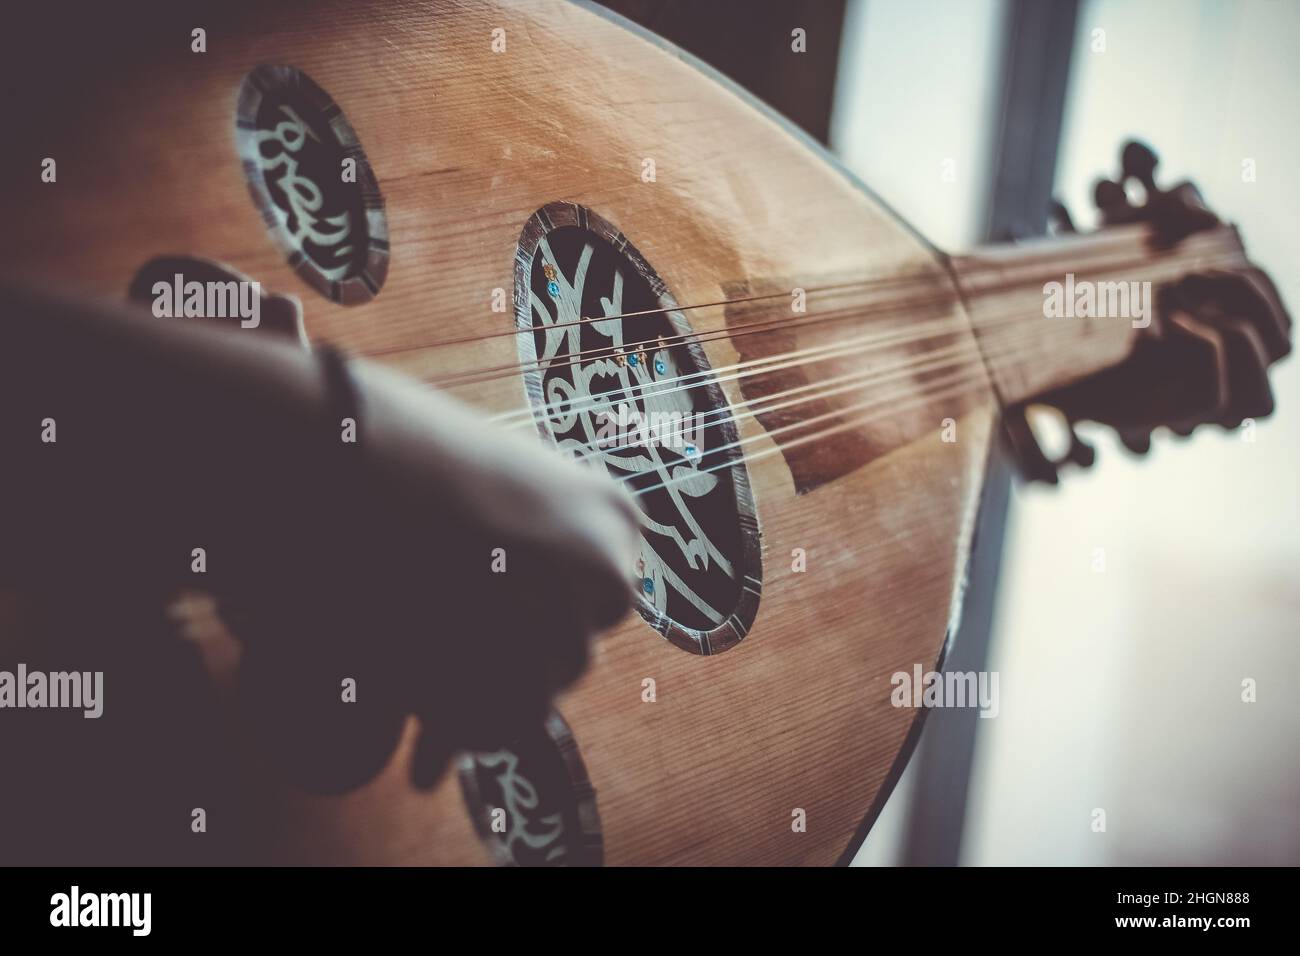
column 454, row 570
column 437, row 565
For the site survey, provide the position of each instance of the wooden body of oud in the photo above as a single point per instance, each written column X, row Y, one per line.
column 466, row 144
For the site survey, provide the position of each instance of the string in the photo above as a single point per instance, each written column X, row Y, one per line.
column 921, row 400
column 781, row 447
column 854, row 380
column 587, row 320
column 779, row 361
column 943, row 298
column 847, row 347
column 921, row 279
column 930, row 363
column 927, row 278
column 478, row 376
column 657, row 386
column 774, row 363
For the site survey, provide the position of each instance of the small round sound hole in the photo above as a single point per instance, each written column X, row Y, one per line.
column 617, row 378
column 310, row 179
column 531, row 801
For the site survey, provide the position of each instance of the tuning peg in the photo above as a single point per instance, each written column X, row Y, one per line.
column 1058, row 218
column 1202, row 360
column 1080, row 452
column 1032, row 462
column 1028, row 455
column 1113, row 203
column 1136, row 440
column 1175, row 212
column 1139, row 162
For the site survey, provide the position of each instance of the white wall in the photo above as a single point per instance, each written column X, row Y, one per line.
column 917, row 85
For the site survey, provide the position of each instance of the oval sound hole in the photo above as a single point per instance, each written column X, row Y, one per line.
column 309, row 177
column 620, row 382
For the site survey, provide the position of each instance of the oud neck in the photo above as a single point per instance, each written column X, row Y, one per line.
column 1100, row 292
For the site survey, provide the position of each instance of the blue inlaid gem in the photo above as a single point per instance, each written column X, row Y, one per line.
column 632, row 359
column 553, row 288
column 661, row 366
column 692, row 452
column 648, row 586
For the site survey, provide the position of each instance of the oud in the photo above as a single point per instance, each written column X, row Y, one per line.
column 812, row 543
